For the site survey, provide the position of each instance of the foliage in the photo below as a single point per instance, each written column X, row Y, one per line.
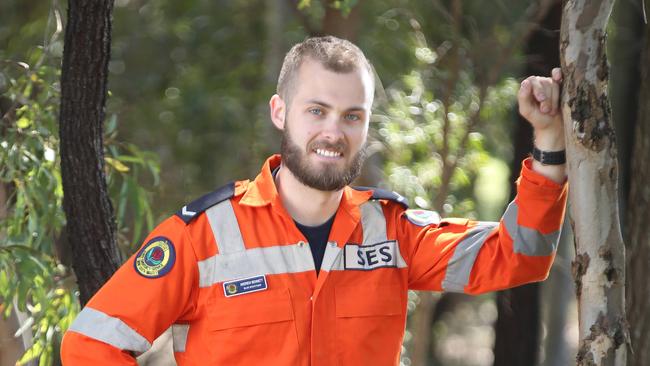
column 189, row 82
column 32, row 234
column 432, row 127
column 30, row 276
column 424, row 131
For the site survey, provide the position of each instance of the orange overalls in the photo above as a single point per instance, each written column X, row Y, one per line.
column 234, row 278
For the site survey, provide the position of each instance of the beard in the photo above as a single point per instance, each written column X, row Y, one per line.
column 327, row 177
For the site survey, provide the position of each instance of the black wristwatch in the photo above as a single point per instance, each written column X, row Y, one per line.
column 549, row 157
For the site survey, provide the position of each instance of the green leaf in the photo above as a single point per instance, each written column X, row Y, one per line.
column 111, row 124
column 23, row 123
column 34, row 351
column 118, row 165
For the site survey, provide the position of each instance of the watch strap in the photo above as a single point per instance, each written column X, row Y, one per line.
column 549, row 157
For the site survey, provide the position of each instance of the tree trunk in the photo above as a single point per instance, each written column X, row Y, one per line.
column 91, row 228
column 624, row 54
column 557, row 295
column 518, row 324
column 638, row 230
column 599, row 267
column 339, row 25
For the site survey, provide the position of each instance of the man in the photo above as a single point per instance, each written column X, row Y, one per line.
column 298, row 268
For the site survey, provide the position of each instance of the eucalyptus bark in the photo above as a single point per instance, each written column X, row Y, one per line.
column 91, row 228
column 599, row 267
column 638, row 230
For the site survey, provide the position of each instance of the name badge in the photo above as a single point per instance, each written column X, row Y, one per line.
column 244, row 286
column 369, row 257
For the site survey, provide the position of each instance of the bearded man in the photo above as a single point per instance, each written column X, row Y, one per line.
column 298, row 268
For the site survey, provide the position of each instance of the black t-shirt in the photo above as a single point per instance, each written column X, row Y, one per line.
column 317, row 238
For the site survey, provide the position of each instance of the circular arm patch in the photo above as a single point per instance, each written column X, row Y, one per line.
column 156, row 258
column 422, row 217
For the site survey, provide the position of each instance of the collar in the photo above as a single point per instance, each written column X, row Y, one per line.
column 262, row 191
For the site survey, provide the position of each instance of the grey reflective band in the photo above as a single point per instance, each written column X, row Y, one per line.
column 528, row 241
column 102, row 327
column 225, row 228
column 179, row 336
column 373, row 222
column 234, row 261
column 460, row 265
column 332, row 258
column 280, row 259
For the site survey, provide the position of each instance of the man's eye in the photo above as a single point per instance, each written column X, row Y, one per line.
column 352, row 117
column 316, row 111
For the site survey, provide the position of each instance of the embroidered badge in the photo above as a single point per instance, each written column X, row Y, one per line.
column 156, row 258
column 422, row 217
column 244, row 286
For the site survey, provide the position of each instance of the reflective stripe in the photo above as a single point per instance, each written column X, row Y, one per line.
column 461, row 262
column 526, row 240
column 292, row 258
column 234, row 261
column 332, row 257
column 373, row 222
column 374, row 228
column 225, row 228
column 179, row 336
column 97, row 325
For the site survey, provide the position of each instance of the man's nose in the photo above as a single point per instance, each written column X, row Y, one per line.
column 332, row 129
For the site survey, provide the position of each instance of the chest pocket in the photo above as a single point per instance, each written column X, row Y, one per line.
column 251, row 327
column 270, row 306
column 369, row 323
column 366, row 301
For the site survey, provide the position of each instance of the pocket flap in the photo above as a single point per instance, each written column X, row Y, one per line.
column 270, row 306
column 368, row 300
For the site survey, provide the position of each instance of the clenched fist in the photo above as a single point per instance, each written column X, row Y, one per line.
column 539, row 100
column 539, row 103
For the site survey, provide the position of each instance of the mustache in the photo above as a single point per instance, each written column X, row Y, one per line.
column 339, row 146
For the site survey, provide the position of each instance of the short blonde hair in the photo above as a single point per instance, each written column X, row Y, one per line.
column 336, row 54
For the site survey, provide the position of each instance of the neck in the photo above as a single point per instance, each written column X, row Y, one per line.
column 305, row 204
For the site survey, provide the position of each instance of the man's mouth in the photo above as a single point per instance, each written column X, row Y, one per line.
column 327, row 153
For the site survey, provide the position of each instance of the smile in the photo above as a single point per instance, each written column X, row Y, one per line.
column 327, row 153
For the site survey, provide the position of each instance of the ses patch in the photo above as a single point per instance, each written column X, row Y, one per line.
column 156, row 258
column 369, row 257
column 244, row 286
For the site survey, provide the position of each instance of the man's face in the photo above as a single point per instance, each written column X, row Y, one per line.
column 326, row 125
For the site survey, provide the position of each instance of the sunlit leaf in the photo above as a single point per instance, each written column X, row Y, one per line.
column 118, row 165
column 23, row 122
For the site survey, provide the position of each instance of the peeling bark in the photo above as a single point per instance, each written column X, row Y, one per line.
column 599, row 268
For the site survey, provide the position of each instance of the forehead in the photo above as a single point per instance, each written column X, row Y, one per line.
column 341, row 89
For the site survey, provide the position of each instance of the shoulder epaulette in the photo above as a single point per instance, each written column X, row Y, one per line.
column 384, row 194
column 192, row 210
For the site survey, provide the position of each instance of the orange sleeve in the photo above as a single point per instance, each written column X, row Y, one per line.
column 153, row 289
column 77, row 349
column 473, row 257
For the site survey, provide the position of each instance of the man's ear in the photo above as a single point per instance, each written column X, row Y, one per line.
column 278, row 110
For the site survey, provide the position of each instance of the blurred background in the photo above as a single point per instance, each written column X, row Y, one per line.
column 187, row 112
